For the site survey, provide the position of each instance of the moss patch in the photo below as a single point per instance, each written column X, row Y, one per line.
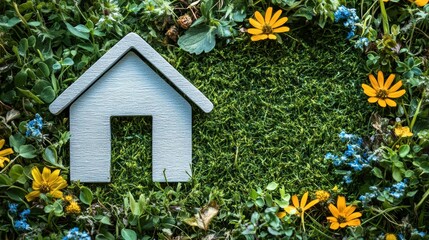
column 278, row 111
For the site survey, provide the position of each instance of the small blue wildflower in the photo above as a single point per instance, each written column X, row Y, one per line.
column 74, row 234
column 34, row 127
column 401, row 236
column 347, row 178
column 13, row 208
column 330, row 156
column 21, row 225
column 398, row 189
column 24, row 213
column 348, row 15
column 350, row 151
column 361, row 43
column 417, row 232
column 345, row 136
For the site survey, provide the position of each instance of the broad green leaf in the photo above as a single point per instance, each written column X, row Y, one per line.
column 30, row 95
column 105, row 220
column 396, row 174
column 39, row 86
column 10, row 23
column 16, row 193
column 86, row 195
column 128, row 234
column 404, row 150
column 23, row 47
column 27, row 151
column 76, row 32
column 48, row 94
column 260, row 202
column 44, row 68
column 272, row 186
column 56, row 66
column 34, row 23
column 16, row 172
column 68, row 62
column 198, row 39
column 50, row 155
column 16, row 141
column 82, row 28
column 5, row 180
column 20, row 78
column 377, row 172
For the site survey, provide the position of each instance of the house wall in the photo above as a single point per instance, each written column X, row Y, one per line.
column 130, row 88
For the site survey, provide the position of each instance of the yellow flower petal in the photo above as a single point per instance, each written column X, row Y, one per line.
column 259, row 18
column 37, row 176
column 32, row 195
column 46, row 173
column 396, row 94
column 312, row 203
column 334, row 226
column 380, row 78
column 2, row 141
column 343, row 225
column 259, row 37
column 390, row 102
column 291, row 210
column 389, row 81
column 334, row 210
column 53, row 177
column 272, row 36
column 281, row 30
column 304, row 200
column 281, row 214
column 56, row 194
column 255, row 23
column 396, row 87
column 341, row 204
column 275, row 17
column 421, row 3
column 254, row 31
column 332, row 219
column 349, row 210
column 353, row 216
column 369, row 91
column 373, row 99
column 2, row 160
column 354, row 222
column 374, row 82
column 381, row 102
column 280, row 22
column 268, row 15
column 295, row 201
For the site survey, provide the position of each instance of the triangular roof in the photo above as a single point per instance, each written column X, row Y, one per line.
column 130, row 42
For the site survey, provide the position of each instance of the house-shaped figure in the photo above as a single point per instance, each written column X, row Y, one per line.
column 131, row 79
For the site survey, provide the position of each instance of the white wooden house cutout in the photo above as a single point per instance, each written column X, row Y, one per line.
column 121, row 83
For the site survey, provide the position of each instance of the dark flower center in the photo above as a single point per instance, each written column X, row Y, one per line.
column 341, row 219
column 267, row 29
column 382, row 93
column 44, row 188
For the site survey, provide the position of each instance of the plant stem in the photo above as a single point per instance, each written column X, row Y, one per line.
column 417, row 112
column 386, row 28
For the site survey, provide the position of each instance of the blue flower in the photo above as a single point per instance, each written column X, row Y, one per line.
column 347, row 178
column 398, row 189
column 348, row 15
column 13, row 208
column 416, row 232
column 362, row 42
column 74, row 234
column 21, row 225
column 24, row 213
column 34, row 127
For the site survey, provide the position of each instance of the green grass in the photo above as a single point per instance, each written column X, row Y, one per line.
column 278, row 109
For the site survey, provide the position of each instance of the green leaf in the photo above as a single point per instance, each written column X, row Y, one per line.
column 68, row 62
column 272, row 186
column 377, row 172
column 56, row 66
column 105, row 220
column 198, row 39
column 85, row 195
column 260, row 202
column 16, row 141
column 30, row 95
column 34, row 23
column 48, row 94
column 5, row 180
column 44, row 69
column 23, row 47
column 396, row 174
column 82, row 28
column 16, row 172
column 404, row 150
column 10, row 23
column 50, row 155
column 27, row 151
column 20, row 79
column 128, row 234
column 76, row 32
column 16, row 193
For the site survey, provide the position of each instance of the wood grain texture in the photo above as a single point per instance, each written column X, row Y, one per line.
column 130, row 42
column 130, row 88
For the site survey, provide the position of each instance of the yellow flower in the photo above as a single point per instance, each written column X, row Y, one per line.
column 380, row 92
column 322, row 195
column 68, row 198
column 4, row 153
column 46, row 182
column 343, row 215
column 73, row 207
column 390, row 236
column 335, row 188
column 265, row 28
column 298, row 208
column 403, row 131
column 420, row 3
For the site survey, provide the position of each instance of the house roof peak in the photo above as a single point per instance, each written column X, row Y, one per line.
column 131, row 41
